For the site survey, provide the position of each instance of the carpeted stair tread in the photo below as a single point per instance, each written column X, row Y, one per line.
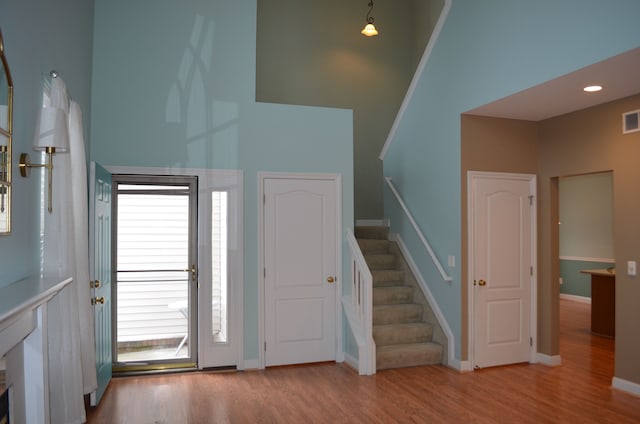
column 392, row 295
column 380, row 233
column 408, row 355
column 387, row 277
column 414, row 332
column 369, row 246
column 396, row 314
column 380, row 261
column 402, row 338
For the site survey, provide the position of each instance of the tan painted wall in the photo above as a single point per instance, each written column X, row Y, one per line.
column 312, row 53
column 581, row 142
column 497, row 145
column 592, row 141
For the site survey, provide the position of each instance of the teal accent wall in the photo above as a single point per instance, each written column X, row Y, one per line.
column 174, row 86
column 39, row 36
column 486, row 50
column 573, row 281
column 586, row 216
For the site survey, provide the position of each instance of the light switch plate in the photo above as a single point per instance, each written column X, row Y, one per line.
column 631, row 268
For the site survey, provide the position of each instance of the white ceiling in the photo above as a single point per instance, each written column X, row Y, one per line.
column 619, row 75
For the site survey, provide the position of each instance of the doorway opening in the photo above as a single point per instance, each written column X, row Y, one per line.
column 586, row 249
column 155, row 272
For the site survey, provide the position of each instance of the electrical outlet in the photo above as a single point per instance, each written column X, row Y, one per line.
column 631, row 268
column 561, row 281
column 452, row 261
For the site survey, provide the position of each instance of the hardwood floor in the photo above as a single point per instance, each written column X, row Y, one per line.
column 577, row 392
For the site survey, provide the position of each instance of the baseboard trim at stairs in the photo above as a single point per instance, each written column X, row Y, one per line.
column 626, row 386
column 351, row 361
column 451, row 361
column 461, row 366
column 372, row 223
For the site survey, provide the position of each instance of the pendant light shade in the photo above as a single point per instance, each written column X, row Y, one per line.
column 369, row 29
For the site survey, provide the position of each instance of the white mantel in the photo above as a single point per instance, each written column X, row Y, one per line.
column 23, row 338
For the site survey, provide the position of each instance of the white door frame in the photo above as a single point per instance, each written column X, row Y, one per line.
column 532, row 179
column 211, row 179
column 337, row 180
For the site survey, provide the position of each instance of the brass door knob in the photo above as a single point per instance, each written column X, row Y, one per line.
column 330, row 279
column 96, row 300
column 482, row 283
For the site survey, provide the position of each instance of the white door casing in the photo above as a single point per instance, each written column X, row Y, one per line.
column 502, row 268
column 300, row 255
column 210, row 352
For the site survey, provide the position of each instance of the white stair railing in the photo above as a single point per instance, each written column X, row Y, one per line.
column 358, row 307
column 424, row 241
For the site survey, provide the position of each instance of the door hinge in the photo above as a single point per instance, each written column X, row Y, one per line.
column 264, row 199
column 265, row 345
column 264, row 272
column 530, row 341
column 531, row 200
column 531, row 271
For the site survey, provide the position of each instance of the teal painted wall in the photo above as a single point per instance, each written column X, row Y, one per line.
column 573, row 281
column 486, row 50
column 39, row 36
column 586, row 229
column 174, row 86
column 586, row 216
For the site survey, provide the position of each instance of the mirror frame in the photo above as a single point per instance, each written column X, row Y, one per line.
column 5, row 153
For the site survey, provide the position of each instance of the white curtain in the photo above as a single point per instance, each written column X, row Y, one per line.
column 64, row 252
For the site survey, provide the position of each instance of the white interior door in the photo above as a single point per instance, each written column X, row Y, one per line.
column 502, row 224
column 300, row 233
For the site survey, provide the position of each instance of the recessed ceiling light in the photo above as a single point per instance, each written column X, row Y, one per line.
column 592, row 88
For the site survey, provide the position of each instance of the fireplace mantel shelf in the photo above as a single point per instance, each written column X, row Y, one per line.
column 20, row 300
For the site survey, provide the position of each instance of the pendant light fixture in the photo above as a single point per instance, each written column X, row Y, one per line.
column 369, row 29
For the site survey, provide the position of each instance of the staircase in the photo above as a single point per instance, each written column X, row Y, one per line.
column 404, row 328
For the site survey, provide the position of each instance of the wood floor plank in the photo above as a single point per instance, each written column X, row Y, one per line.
column 579, row 391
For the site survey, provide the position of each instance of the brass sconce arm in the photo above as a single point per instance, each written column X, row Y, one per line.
column 25, row 165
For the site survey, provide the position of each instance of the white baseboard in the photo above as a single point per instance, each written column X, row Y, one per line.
column 551, row 361
column 372, row 222
column 462, row 366
column 251, row 364
column 574, row 298
column 626, row 386
column 351, row 361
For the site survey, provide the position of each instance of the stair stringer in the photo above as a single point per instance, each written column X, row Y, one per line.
column 432, row 314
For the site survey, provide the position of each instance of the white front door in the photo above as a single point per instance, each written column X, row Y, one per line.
column 502, row 222
column 300, row 256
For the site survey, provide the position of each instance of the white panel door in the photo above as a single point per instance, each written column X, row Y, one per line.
column 502, row 228
column 300, row 233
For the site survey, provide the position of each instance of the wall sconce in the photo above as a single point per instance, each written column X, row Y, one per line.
column 369, row 29
column 52, row 136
